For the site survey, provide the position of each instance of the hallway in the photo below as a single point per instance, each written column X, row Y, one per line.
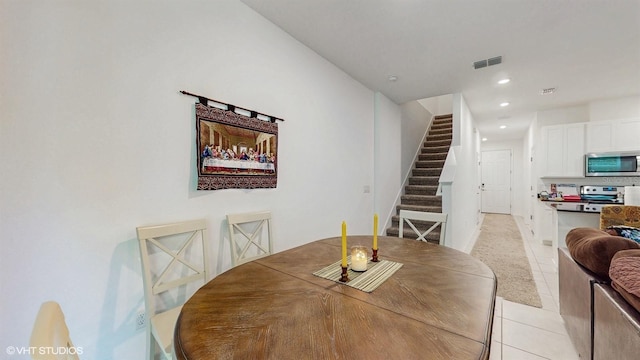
column 523, row 332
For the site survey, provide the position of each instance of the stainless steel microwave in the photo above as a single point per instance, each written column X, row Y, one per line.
column 612, row 164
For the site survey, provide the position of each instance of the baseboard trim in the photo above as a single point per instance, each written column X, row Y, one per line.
column 472, row 241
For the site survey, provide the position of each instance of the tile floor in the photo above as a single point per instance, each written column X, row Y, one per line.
column 523, row 332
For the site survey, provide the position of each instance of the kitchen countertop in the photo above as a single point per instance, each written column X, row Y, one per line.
column 583, row 205
column 564, row 201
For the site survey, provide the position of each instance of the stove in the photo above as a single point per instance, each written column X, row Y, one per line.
column 598, row 196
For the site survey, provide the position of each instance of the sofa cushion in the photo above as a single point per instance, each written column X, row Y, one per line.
column 628, row 232
column 594, row 248
column 625, row 275
column 628, row 215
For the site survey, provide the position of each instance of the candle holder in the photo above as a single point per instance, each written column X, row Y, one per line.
column 359, row 258
column 344, row 277
column 374, row 258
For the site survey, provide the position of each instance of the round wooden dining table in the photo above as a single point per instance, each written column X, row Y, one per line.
column 438, row 305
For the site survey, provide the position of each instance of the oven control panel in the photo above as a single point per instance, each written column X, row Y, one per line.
column 596, row 208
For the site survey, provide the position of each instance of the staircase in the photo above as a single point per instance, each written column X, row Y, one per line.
column 420, row 193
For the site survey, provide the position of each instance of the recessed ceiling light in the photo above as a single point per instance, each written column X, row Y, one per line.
column 503, row 126
column 504, row 81
column 504, row 104
column 484, row 139
column 393, row 78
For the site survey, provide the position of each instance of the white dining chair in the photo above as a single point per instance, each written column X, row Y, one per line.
column 250, row 236
column 438, row 219
column 174, row 265
column 50, row 331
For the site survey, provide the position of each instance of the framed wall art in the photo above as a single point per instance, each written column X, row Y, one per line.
column 235, row 151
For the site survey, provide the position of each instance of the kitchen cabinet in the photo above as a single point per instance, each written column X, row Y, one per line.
column 613, row 135
column 552, row 225
column 600, row 136
column 544, row 230
column 563, row 150
column 626, row 133
column 567, row 220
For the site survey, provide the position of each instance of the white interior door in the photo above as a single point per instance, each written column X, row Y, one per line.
column 496, row 181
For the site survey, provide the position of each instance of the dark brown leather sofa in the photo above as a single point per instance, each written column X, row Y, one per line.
column 601, row 323
column 616, row 326
column 576, row 288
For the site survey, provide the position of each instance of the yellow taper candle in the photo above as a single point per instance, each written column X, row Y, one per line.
column 375, row 231
column 344, row 244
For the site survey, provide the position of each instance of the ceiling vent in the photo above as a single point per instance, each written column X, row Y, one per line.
column 547, row 91
column 488, row 62
column 480, row 64
column 494, row 60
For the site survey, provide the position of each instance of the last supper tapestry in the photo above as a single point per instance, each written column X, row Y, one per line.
column 235, row 151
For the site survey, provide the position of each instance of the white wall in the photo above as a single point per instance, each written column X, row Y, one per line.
column 566, row 115
column 465, row 195
column 438, row 105
column 621, row 108
column 530, row 150
column 611, row 109
column 388, row 138
column 95, row 140
column 415, row 121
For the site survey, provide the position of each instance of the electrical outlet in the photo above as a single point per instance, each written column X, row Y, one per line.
column 141, row 320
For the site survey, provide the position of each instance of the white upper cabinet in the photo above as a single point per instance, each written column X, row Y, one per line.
column 614, row 135
column 600, row 136
column 553, row 162
column 563, row 150
column 574, row 151
column 626, row 134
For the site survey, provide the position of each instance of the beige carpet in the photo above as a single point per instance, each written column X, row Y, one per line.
column 501, row 247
